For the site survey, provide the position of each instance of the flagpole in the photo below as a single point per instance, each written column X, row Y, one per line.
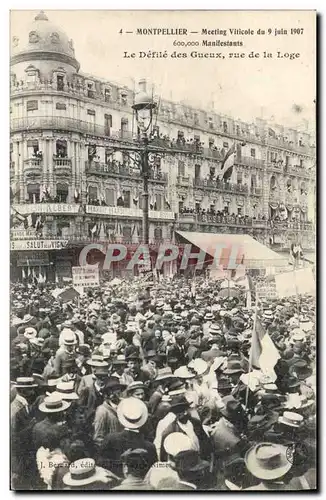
column 251, row 349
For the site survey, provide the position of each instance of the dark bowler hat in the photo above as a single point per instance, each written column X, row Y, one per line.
column 189, row 461
column 179, row 403
column 113, row 383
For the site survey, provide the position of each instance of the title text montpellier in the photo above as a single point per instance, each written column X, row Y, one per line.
column 162, row 31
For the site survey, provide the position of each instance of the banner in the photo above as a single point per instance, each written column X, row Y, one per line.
column 295, row 282
column 85, row 276
column 47, row 208
column 38, row 244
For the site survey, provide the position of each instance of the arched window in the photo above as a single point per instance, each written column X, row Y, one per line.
column 303, row 188
column 289, row 186
column 62, row 193
column 33, row 193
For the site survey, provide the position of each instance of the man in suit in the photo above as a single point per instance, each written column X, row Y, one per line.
column 135, row 468
column 132, row 414
column 90, row 390
column 179, row 420
column 192, row 473
column 106, row 419
column 66, row 351
column 49, row 431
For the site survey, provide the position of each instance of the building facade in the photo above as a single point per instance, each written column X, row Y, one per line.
column 68, row 188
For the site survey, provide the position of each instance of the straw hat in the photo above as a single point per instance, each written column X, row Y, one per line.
column 176, row 442
column 65, row 390
column 132, row 413
column 83, row 472
column 25, row 383
column 291, row 419
column 184, row 373
column 30, row 333
column 267, row 461
column 97, row 361
column 68, row 337
column 53, row 404
column 199, row 366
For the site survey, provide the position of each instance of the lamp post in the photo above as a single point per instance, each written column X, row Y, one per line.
column 143, row 107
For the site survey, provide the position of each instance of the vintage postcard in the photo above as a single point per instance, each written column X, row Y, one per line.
column 162, row 233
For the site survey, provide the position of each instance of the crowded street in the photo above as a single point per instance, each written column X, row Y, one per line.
column 161, row 386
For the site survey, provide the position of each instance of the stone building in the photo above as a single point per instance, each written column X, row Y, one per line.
column 72, row 189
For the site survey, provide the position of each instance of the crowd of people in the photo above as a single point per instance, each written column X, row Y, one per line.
column 126, row 389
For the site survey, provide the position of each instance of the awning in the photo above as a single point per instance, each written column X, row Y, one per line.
column 253, row 254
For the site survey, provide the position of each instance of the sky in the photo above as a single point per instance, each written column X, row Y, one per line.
column 242, row 88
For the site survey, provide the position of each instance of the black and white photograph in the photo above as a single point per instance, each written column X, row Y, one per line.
column 163, row 250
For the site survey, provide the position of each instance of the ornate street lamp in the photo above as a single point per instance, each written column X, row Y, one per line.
column 144, row 107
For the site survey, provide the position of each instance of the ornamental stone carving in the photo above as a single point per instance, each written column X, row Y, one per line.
column 33, row 37
column 55, row 38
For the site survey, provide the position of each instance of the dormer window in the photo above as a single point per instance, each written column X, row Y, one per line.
column 107, row 95
column 124, row 97
column 90, row 91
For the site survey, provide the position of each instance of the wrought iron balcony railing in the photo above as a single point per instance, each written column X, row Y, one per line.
column 218, row 185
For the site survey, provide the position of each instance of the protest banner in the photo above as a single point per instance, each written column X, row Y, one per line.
column 85, row 276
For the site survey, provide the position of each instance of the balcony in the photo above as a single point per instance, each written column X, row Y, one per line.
column 183, row 180
column 256, row 191
column 276, row 166
column 218, row 185
column 70, row 124
column 47, row 208
column 33, row 166
column 292, row 225
column 249, row 161
column 187, row 218
column 299, row 171
column 213, row 154
column 119, row 170
column 133, row 213
column 297, row 148
column 69, row 90
column 221, row 220
column 62, row 166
